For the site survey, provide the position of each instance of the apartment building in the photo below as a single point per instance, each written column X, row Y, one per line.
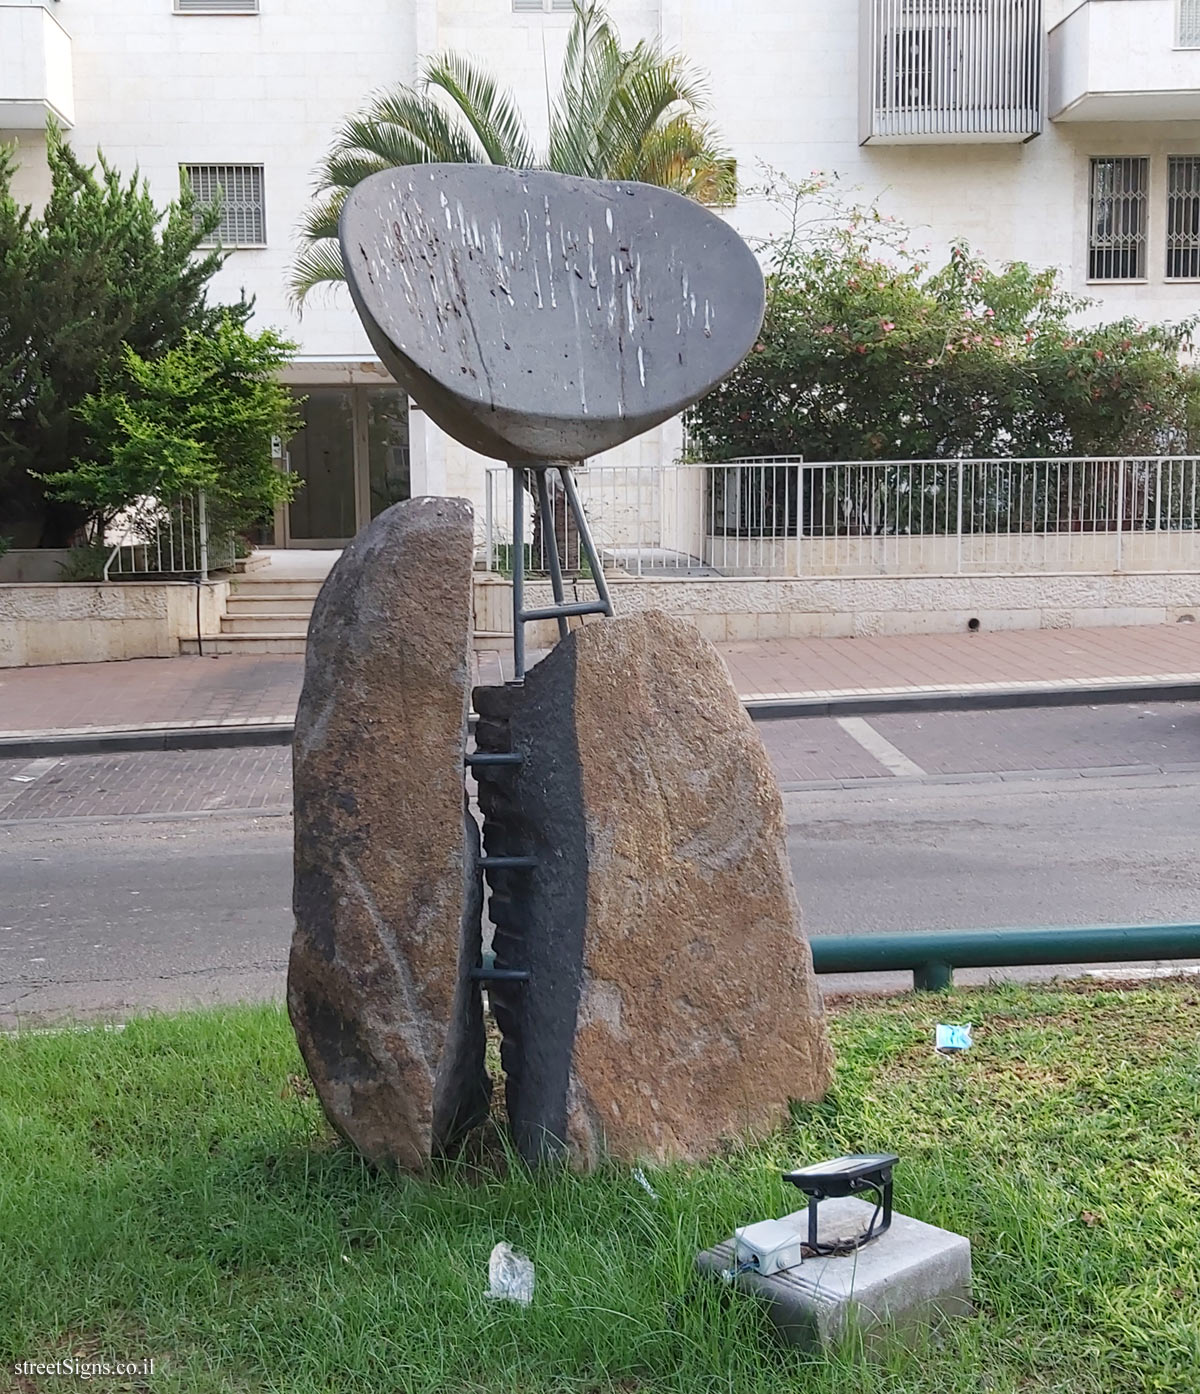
column 1062, row 132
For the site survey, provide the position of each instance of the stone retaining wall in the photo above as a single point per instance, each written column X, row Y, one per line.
column 85, row 622
column 732, row 608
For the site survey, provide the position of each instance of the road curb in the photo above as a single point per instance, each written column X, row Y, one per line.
column 152, row 738
column 982, row 699
column 40, row 743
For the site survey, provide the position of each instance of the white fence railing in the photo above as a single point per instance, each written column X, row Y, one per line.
column 167, row 537
column 782, row 516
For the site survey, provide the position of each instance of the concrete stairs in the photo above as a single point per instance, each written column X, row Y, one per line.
column 270, row 605
column 263, row 615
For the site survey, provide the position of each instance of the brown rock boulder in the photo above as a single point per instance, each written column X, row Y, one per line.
column 387, row 891
column 671, row 1002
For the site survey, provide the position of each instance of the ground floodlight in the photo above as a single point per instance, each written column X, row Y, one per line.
column 847, row 1176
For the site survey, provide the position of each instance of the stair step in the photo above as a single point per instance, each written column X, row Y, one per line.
column 270, row 626
column 261, row 588
column 248, row 644
column 248, row 605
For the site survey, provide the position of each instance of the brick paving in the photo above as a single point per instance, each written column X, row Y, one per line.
column 255, row 779
column 141, row 693
column 1132, row 738
column 815, row 748
column 150, row 693
column 1029, row 658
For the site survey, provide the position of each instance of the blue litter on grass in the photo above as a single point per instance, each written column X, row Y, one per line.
column 952, row 1038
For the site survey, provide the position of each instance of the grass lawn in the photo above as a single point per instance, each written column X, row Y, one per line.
column 171, row 1191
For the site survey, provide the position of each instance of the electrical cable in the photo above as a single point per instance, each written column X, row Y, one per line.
column 841, row 1247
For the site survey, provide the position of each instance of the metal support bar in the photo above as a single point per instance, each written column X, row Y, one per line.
column 506, row 863
column 500, row 975
column 934, row 976
column 518, row 572
column 584, row 607
column 202, row 525
column 559, row 611
column 480, row 760
column 585, row 538
column 931, row 956
column 556, row 580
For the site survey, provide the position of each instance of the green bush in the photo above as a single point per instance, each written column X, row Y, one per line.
column 85, row 562
column 199, row 417
column 868, row 354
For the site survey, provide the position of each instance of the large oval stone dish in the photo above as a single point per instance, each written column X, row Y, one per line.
column 539, row 316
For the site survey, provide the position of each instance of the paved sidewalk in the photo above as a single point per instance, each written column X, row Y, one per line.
column 260, row 692
column 1027, row 660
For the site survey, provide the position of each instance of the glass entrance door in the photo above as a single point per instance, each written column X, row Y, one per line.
column 323, row 512
column 352, row 455
column 387, row 447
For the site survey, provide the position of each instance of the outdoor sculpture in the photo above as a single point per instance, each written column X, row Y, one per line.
column 540, row 318
column 651, row 983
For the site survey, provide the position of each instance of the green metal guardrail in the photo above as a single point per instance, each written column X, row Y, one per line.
column 933, row 955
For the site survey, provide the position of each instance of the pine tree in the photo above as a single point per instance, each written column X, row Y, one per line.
column 98, row 269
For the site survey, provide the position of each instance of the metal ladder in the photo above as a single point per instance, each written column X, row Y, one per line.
column 560, row 610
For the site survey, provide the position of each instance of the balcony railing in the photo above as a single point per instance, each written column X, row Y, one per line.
column 945, row 71
column 36, row 79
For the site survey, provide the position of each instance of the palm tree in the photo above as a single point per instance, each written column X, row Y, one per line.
column 620, row 113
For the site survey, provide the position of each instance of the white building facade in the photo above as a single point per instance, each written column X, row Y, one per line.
column 1060, row 132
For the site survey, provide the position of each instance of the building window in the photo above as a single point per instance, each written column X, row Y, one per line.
column 239, row 190
column 1117, row 218
column 216, row 7
column 1183, row 217
column 1187, row 33
column 538, row 7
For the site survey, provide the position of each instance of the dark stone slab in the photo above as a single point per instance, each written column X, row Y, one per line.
column 539, row 917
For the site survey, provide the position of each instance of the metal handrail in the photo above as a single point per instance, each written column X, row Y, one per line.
column 174, row 539
column 933, row 955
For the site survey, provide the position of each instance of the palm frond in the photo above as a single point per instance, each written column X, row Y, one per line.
column 404, row 126
column 620, row 113
column 318, row 264
column 342, row 172
column 593, row 69
column 685, row 156
column 491, row 113
column 320, row 220
column 645, row 102
column 398, row 127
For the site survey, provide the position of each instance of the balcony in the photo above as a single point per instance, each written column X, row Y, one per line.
column 1126, row 60
column 938, row 72
column 35, row 67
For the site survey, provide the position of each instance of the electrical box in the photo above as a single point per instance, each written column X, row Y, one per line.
column 768, row 1247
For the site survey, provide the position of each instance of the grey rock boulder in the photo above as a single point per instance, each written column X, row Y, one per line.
column 387, row 893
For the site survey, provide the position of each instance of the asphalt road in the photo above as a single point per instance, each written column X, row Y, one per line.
column 142, row 881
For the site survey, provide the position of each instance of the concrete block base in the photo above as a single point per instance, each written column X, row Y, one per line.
column 893, row 1289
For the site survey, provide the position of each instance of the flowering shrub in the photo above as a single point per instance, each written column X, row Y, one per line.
column 867, row 353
